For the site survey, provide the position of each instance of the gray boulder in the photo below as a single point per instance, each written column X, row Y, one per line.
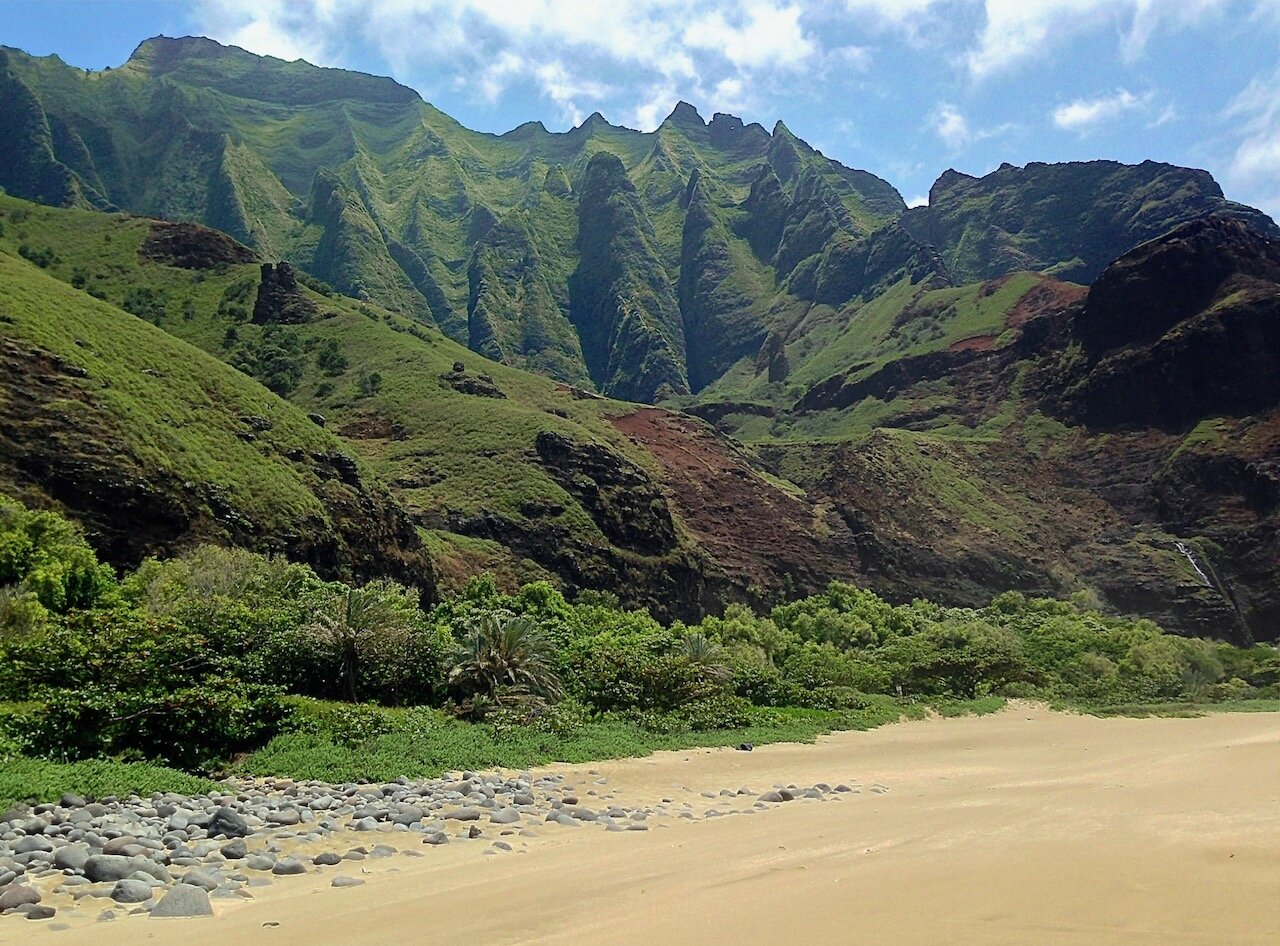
column 16, row 896
column 207, row 880
column 228, row 823
column 288, row 865
column 72, row 857
column 131, row 891
column 33, row 845
column 182, row 901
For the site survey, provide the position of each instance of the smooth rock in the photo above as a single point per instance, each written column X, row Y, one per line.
column 18, row 895
column 131, row 891
column 287, row 866
column 228, row 823
column 33, row 845
column 184, row 900
column 204, row 879
column 72, row 857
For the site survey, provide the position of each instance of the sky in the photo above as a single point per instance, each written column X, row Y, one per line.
column 902, row 88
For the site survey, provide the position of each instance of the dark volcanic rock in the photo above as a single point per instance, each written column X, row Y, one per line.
column 1182, row 328
column 280, row 299
column 620, row 497
column 192, row 246
column 1070, row 220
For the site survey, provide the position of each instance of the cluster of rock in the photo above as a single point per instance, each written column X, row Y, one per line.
column 170, row 855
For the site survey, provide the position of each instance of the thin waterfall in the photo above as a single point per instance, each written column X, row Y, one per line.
column 1186, row 551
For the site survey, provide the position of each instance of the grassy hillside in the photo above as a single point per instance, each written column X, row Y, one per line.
column 471, row 449
column 156, row 445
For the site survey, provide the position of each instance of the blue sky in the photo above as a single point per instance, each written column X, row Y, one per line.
column 903, row 88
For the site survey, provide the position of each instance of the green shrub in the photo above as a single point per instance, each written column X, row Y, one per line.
column 329, row 358
column 39, row 780
column 46, row 557
column 146, row 303
column 193, row 727
column 717, row 711
column 963, row 656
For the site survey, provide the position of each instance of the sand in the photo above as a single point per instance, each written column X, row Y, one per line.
column 1027, row 827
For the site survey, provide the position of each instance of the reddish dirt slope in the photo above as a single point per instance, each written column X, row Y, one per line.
column 760, row 535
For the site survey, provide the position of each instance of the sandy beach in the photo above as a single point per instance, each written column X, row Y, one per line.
column 1026, row 827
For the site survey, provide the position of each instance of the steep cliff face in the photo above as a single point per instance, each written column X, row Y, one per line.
column 518, row 310
column 722, row 318
column 960, row 416
column 1070, row 220
column 360, row 183
column 1183, row 328
column 621, row 299
column 28, row 167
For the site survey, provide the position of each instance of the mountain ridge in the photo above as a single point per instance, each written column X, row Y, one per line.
column 919, row 399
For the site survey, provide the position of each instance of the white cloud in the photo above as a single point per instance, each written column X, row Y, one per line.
column 1083, row 115
column 893, row 11
column 762, row 35
column 566, row 90
column 1019, row 30
column 920, row 200
column 957, row 133
column 562, row 48
column 1254, row 168
column 1168, row 114
column 952, row 127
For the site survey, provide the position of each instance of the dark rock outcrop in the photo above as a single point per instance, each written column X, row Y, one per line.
column 1069, row 220
column 280, row 299
column 1183, row 328
column 192, row 246
column 622, row 500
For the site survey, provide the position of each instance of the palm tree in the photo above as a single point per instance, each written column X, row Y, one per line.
column 352, row 623
column 504, row 656
column 704, row 654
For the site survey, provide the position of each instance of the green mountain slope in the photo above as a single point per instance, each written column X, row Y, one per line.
column 645, row 275
column 944, row 403
column 360, row 183
column 498, row 468
column 156, row 446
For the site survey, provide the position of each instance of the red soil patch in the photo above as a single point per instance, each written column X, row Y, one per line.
column 372, row 427
column 1049, row 296
column 757, row 532
column 974, row 343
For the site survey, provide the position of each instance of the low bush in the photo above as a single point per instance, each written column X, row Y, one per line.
column 35, row 781
column 193, row 660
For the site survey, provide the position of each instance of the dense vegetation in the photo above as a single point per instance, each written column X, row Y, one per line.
column 224, row 660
